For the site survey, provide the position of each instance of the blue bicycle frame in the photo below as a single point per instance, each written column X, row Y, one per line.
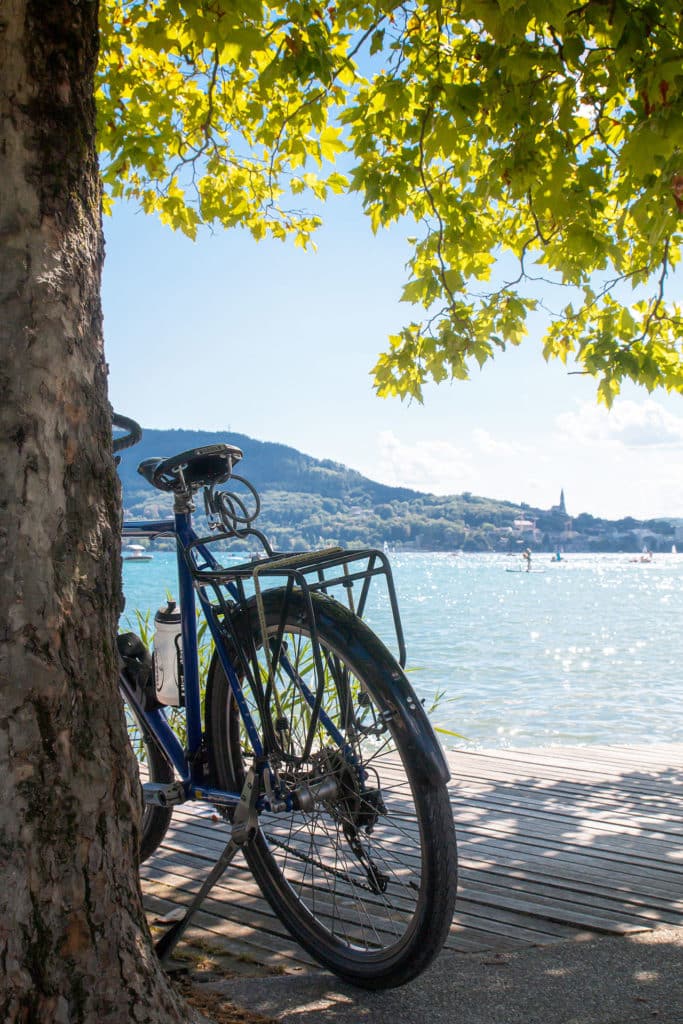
column 188, row 762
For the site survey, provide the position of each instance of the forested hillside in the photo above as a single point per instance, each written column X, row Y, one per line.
column 309, row 502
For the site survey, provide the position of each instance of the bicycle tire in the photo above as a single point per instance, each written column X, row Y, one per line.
column 152, row 767
column 379, row 919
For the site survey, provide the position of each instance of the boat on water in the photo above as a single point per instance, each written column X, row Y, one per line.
column 136, row 553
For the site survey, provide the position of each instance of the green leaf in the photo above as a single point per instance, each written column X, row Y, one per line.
column 519, row 151
column 331, row 143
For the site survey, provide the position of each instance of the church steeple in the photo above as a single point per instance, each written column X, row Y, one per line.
column 561, row 506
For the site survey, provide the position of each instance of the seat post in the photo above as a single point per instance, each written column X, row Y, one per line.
column 184, row 537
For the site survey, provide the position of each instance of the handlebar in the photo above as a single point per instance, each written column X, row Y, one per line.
column 133, row 435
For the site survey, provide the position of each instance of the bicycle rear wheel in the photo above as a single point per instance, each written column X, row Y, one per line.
column 152, row 767
column 365, row 877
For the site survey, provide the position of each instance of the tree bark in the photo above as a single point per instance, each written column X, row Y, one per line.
column 74, row 946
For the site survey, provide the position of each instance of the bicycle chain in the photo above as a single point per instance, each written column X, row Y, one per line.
column 323, row 867
column 318, row 863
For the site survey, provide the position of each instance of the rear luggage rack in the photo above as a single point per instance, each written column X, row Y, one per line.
column 345, row 576
column 332, row 571
column 335, row 571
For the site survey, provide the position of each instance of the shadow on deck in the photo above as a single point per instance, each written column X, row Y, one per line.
column 554, row 844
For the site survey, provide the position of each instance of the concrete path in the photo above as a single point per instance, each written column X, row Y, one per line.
column 611, row 980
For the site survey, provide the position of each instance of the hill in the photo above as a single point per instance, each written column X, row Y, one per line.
column 309, row 502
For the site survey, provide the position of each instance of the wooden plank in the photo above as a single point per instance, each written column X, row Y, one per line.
column 652, row 755
column 554, row 844
column 541, row 902
column 271, row 933
column 667, row 755
column 521, row 767
column 665, row 828
column 614, row 802
column 209, row 933
column 469, row 810
column 619, row 807
column 617, row 801
column 554, row 857
column 471, row 914
column 501, row 920
column 564, row 878
column 583, row 767
column 565, row 891
column 653, row 853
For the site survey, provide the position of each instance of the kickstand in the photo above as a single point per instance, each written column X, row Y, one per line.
column 244, row 827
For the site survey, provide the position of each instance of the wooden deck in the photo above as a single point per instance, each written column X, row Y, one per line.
column 553, row 844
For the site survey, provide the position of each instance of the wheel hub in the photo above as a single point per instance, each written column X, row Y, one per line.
column 356, row 806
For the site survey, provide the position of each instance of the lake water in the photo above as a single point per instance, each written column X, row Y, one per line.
column 585, row 651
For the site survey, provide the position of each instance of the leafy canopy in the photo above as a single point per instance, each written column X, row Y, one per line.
column 530, row 142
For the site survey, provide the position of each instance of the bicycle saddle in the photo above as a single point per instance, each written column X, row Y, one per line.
column 190, row 470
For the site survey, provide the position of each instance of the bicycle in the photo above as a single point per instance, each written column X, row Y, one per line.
column 309, row 739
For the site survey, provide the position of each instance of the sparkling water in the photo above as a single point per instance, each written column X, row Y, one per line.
column 582, row 651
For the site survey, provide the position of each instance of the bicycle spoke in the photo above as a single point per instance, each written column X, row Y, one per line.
column 350, row 848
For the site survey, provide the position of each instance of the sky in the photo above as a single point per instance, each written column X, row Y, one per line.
column 267, row 340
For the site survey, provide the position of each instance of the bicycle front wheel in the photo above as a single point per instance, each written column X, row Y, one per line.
column 364, row 875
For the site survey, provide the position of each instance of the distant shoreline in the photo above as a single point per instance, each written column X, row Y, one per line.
column 310, row 503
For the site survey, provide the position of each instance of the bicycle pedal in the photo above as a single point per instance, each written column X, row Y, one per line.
column 163, row 794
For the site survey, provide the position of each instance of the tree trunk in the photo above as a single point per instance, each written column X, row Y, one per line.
column 73, row 942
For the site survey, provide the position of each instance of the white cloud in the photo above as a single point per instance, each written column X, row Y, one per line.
column 630, row 424
column 490, row 445
column 483, row 464
column 436, row 466
column 627, row 462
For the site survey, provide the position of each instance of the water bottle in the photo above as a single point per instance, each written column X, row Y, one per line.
column 168, row 665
